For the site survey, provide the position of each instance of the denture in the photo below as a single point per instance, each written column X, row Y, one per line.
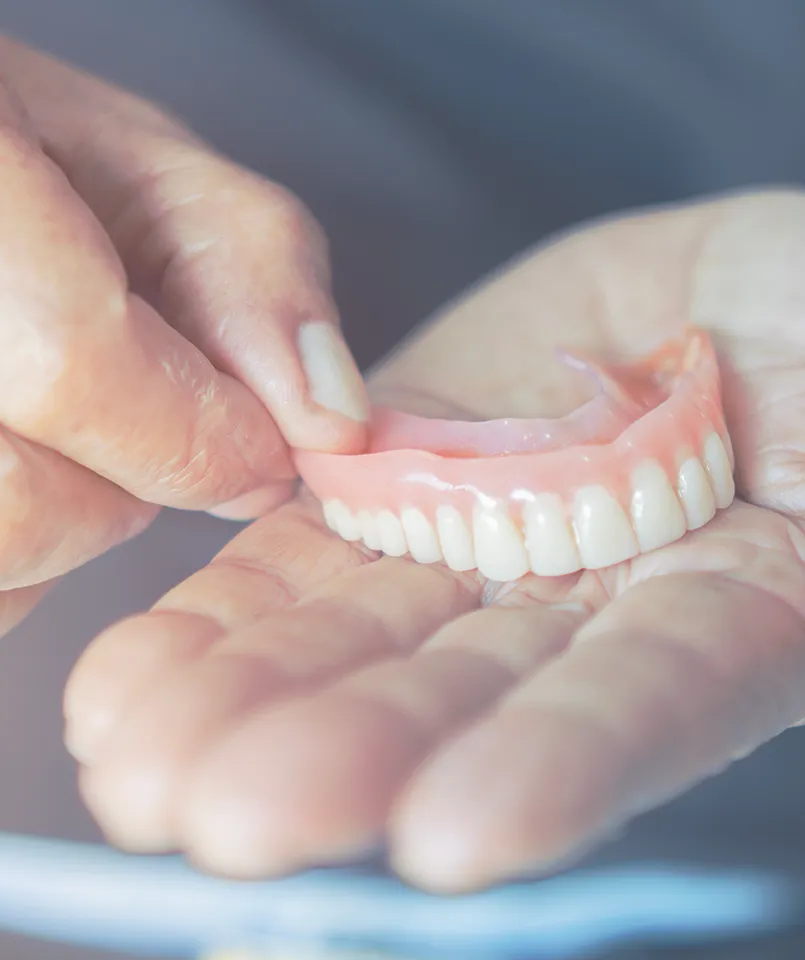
column 647, row 459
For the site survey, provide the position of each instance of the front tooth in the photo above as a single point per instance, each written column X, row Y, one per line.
column 421, row 536
column 390, row 531
column 551, row 548
column 499, row 550
column 696, row 494
column 455, row 538
column 369, row 531
column 604, row 535
column 657, row 515
column 718, row 467
column 730, row 451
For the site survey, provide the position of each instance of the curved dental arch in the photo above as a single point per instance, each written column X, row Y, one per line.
column 633, row 469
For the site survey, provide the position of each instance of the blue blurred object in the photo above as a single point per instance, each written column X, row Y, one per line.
column 94, row 896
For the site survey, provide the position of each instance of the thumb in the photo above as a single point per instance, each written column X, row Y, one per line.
column 232, row 261
column 243, row 273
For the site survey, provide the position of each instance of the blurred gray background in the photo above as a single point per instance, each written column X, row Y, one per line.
column 433, row 139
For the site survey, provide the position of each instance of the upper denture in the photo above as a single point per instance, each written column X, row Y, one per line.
column 645, row 460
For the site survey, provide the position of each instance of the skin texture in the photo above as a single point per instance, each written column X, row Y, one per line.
column 299, row 700
column 150, row 293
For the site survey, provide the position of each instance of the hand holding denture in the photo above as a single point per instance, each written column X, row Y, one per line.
column 158, row 306
column 304, row 698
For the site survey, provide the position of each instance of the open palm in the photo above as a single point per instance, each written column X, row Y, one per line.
column 299, row 700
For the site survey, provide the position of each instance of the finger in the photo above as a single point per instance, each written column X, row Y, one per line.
column 236, row 263
column 262, row 570
column 55, row 515
column 665, row 686
column 93, row 372
column 15, row 605
column 331, row 765
column 121, row 663
column 361, row 616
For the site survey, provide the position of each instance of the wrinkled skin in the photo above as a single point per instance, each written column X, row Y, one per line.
column 299, row 700
column 135, row 263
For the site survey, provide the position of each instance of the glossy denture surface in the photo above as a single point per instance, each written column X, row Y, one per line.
column 646, row 460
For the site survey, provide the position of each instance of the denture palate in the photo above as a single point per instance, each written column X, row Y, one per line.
column 647, row 459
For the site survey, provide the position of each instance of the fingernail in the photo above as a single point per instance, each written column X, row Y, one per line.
column 333, row 378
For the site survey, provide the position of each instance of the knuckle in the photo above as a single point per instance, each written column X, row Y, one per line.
column 295, row 223
column 35, row 371
column 266, row 210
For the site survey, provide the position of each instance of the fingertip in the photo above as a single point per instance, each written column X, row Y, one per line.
column 521, row 794
column 452, row 855
column 122, row 661
column 117, row 810
column 438, row 859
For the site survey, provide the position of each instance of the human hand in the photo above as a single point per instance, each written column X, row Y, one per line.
column 299, row 699
column 157, row 301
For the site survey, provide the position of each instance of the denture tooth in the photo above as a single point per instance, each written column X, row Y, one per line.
column 719, row 470
column 348, row 526
column 421, row 537
column 341, row 519
column 657, row 515
column 604, row 535
column 331, row 509
column 390, row 531
column 369, row 531
column 730, row 451
column 696, row 494
column 552, row 551
column 455, row 538
column 499, row 549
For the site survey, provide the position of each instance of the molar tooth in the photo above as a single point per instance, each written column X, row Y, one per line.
column 421, row 536
column 331, row 509
column 657, row 515
column 696, row 494
column 455, row 538
column 369, row 530
column 551, row 548
column 604, row 534
column 340, row 519
column 499, row 550
column 390, row 531
column 718, row 467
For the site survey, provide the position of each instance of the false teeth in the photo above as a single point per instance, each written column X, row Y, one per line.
column 631, row 471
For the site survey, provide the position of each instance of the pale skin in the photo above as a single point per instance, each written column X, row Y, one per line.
column 299, row 701
column 125, row 385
